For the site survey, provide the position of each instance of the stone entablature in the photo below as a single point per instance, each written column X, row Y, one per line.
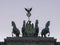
column 30, row 41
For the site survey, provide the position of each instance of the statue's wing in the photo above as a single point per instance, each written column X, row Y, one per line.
column 26, row 9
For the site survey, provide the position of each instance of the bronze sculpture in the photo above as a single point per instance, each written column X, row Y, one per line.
column 28, row 12
column 36, row 28
column 23, row 28
column 15, row 29
column 46, row 29
column 28, row 29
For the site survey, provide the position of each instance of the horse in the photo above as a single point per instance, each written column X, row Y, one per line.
column 36, row 28
column 15, row 30
column 46, row 30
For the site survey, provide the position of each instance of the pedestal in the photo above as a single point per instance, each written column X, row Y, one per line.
column 30, row 41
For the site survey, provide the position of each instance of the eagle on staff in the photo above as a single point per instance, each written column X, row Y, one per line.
column 28, row 12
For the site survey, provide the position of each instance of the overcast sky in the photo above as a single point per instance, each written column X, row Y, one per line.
column 43, row 10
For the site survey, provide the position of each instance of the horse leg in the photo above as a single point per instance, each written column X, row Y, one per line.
column 41, row 35
column 12, row 34
column 49, row 34
column 44, row 35
column 17, row 35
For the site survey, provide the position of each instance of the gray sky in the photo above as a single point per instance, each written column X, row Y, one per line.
column 43, row 10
